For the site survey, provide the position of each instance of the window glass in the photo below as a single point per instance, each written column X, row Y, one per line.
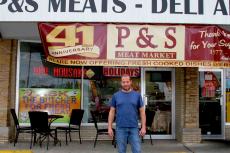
column 228, row 96
column 99, row 90
column 57, row 89
column 46, row 86
column 210, row 101
column 158, row 93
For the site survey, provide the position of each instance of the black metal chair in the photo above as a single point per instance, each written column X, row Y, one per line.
column 40, row 126
column 19, row 129
column 74, row 124
column 149, row 120
column 101, row 131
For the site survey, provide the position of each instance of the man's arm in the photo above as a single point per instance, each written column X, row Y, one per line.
column 110, row 121
column 143, row 121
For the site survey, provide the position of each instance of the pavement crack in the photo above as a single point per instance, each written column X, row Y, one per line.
column 189, row 149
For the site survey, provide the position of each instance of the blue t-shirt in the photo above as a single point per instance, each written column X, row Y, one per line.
column 127, row 106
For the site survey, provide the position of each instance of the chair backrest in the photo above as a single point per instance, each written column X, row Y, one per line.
column 76, row 117
column 39, row 121
column 15, row 118
column 149, row 117
column 93, row 114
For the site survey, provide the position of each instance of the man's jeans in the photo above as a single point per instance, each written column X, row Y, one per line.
column 130, row 135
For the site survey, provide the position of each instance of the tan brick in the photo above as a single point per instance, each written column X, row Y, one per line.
column 5, row 81
column 187, row 105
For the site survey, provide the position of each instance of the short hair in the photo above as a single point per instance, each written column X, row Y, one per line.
column 125, row 76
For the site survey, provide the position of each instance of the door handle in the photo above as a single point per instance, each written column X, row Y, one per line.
column 145, row 100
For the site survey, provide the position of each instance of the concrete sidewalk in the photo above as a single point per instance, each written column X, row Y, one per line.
column 159, row 146
column 222, row 146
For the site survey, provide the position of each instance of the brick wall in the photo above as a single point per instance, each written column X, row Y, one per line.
column 187, row 105
column 179, row 102
column 7, row 47
column 191, row 131
column 12, row 87
column 191, row 98
column 227, row 132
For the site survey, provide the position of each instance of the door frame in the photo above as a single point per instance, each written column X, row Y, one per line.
column 223, row 104
column 143, row 70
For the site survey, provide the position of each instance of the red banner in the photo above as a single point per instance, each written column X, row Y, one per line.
column 210, row 43
column 135, row 45
column 74, row 40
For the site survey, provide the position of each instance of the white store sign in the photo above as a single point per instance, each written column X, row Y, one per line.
column 127, row 11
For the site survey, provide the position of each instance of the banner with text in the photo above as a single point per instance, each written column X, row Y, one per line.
column 135, row 45
column 209, row 43
column 54, row 101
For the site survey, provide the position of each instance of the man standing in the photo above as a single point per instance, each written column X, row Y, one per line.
column 127, row 103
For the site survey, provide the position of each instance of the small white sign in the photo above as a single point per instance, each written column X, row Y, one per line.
column 228, row 73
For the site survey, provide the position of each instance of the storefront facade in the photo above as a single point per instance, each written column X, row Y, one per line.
column 181, row 71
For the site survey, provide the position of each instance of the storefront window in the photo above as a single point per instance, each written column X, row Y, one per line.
column 99, row 90
column 228, row 96
column 45, row 86
column 57, row 89
column 158, row 93
column 210, row 102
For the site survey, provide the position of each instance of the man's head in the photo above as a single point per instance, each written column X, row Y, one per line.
column 126, row 82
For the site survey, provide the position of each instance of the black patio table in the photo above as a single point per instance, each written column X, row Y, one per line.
column 52, row 118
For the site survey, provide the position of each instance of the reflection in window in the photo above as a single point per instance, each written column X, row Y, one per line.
column 158, row 92
column 46, row 86
column 57, row 89
column 209, row 101
column 98, row 91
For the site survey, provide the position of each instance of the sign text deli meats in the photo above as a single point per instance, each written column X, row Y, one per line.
column 135, row 45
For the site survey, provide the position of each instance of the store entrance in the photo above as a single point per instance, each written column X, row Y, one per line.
column 158, row 93
column 211, row 103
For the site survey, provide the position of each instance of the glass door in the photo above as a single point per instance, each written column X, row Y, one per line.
column 211, row 103
column 158, row 93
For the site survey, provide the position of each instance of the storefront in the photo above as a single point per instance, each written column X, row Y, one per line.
column 180, row 66
column 58, row 83
column 58, row 89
